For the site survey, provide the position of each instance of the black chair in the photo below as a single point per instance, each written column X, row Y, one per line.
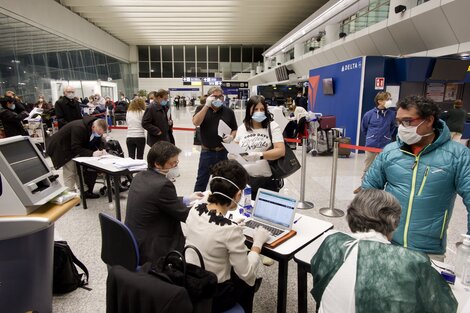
column 118, row 245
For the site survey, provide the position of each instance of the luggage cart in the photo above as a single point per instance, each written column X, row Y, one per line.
column 312, row 130
column 37, row 131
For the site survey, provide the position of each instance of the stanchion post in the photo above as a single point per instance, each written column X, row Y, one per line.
column 304, row 205
column 331, row 211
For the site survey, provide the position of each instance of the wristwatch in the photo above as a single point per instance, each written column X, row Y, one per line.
column 261, row 157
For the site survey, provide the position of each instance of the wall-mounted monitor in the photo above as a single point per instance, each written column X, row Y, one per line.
column 328, row 87
column 30, row 181
column 450, row 69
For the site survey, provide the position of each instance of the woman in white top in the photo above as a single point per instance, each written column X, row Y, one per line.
column 135, row 132
column 253, row 137
column 221, row 241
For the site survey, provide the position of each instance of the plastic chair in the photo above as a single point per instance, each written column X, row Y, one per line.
column 118, row 245
column 237, row 308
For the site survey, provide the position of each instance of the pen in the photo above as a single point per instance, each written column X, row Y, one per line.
column 297, row 220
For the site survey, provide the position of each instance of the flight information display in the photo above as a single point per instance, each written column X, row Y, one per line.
column 198, row 81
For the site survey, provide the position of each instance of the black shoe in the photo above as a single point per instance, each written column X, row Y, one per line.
column 91, row 195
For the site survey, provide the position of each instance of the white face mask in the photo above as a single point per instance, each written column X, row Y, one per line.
column 409, row 135
column 70, row 95
column 388, row 104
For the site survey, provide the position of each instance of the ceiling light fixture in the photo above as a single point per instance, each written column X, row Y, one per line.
column 323, row 17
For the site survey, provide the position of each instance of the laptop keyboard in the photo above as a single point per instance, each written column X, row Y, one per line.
column 254, row 224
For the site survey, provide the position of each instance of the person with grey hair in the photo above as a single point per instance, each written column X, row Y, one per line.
column 208, row 117
column 67, row 108
column 363, row 272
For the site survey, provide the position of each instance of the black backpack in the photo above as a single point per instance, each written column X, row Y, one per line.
column 66, row 276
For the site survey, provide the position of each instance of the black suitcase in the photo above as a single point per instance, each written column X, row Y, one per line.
column 114, row 147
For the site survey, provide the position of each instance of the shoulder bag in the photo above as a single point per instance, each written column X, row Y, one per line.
column 286, row 165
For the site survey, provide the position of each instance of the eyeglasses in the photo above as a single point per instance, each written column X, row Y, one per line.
column 218, row 97
column 406, row 122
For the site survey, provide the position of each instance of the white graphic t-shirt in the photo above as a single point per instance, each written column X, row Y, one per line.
column 257, row 140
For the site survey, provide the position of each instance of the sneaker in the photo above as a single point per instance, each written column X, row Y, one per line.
column 357, row 190
column 267, row 261
column 91, row 195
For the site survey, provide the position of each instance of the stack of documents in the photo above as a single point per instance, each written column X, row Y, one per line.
column 130, row 164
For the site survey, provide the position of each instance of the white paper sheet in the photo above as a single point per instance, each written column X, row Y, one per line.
column 223, row 129
column 235, row 149
column 279, row 118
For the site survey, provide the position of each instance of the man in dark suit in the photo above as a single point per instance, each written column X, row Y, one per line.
column 154, row 211
column 77, row 138
column 155, row 119
column 67, row 108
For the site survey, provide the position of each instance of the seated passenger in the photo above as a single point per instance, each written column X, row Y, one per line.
column 363, row 272
column 221, row 241
column 154, row 211
column 11, row 116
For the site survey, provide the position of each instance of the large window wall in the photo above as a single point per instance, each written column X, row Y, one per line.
column 198, row 61
column 30, row 58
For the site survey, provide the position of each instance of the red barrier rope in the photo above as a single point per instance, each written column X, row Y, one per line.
column 292, row 140
column 353, row 147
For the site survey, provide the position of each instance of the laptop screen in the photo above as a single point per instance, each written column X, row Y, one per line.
column 274, row 208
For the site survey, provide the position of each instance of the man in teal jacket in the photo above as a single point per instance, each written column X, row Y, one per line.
column 425, row 170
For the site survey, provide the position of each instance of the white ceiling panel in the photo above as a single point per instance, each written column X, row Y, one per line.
column 365, row 43
column 456, row 12
column 406, row 37
column 154, row 22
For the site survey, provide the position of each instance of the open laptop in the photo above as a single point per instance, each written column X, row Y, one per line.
column 273, row 211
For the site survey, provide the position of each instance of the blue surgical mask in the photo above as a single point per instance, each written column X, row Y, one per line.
column 13, row 107
column 258, row 116
column 164, row 102
column 96, row 135
column 217, row 103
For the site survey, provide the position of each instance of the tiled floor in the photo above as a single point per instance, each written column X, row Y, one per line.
column 81, row 227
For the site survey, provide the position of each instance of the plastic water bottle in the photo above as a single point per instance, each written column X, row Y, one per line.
column 463, row 253
column 247, row 207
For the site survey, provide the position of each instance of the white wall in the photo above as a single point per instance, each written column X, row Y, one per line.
column 58, row 20
column 150, row 84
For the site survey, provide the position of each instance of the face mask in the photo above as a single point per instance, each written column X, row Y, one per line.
column 224, row 195
column 217, row 103
column 388, row 104
column 70, row 95
column 41, row 100
column 171, row 173
column 13, row 107
column 409, row 135
column 258, row 116
column 164, row 102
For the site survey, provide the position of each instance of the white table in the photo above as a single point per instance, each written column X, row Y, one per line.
column 303, row 257
column 110, row 171
column 308, row 229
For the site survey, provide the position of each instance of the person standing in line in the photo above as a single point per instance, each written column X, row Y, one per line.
column 425, row 170
column 67, row 108
column 11, row 116
column 135, row 140
column 378, row 126
column 254, row 137
column 155, row 120
column 455, row 119
column 208, row 117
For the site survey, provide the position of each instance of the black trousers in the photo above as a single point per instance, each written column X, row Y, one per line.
column 231, row 292
column 89, row 178
column 136, row 144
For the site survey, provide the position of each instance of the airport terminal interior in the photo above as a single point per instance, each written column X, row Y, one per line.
column 320, row 66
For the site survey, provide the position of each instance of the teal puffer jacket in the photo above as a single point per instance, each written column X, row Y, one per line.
column 426, row 186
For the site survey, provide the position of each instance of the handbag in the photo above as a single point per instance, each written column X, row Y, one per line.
column 200, row 283
column 286, row 165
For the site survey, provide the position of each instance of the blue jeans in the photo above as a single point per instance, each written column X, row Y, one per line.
column 206, row 160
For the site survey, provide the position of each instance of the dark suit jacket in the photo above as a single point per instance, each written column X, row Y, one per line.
column 155, row 121
column 71, row 141
column 153, row 214
column 67, row 110
column 12, row 120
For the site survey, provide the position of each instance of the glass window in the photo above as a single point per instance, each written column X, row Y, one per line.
column 155, row 69
column 201, row 54
column 247, row 55
column 155, row 53
column 179, row 69
column 167, row 70
column 178, row 53
column 143, row 69
column 258, row 54
column 224, row 54
column 190, row 69
column 143, row 53
column 189, row 54
column 166, row 54
column 235, row 53
column 213, row 54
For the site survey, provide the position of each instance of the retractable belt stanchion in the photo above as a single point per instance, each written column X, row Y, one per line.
column 331, row 211
column 303, row 205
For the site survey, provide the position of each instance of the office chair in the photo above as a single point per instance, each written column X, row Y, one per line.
column 118, row 245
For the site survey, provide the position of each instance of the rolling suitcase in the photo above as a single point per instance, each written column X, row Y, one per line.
column 344, row 152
